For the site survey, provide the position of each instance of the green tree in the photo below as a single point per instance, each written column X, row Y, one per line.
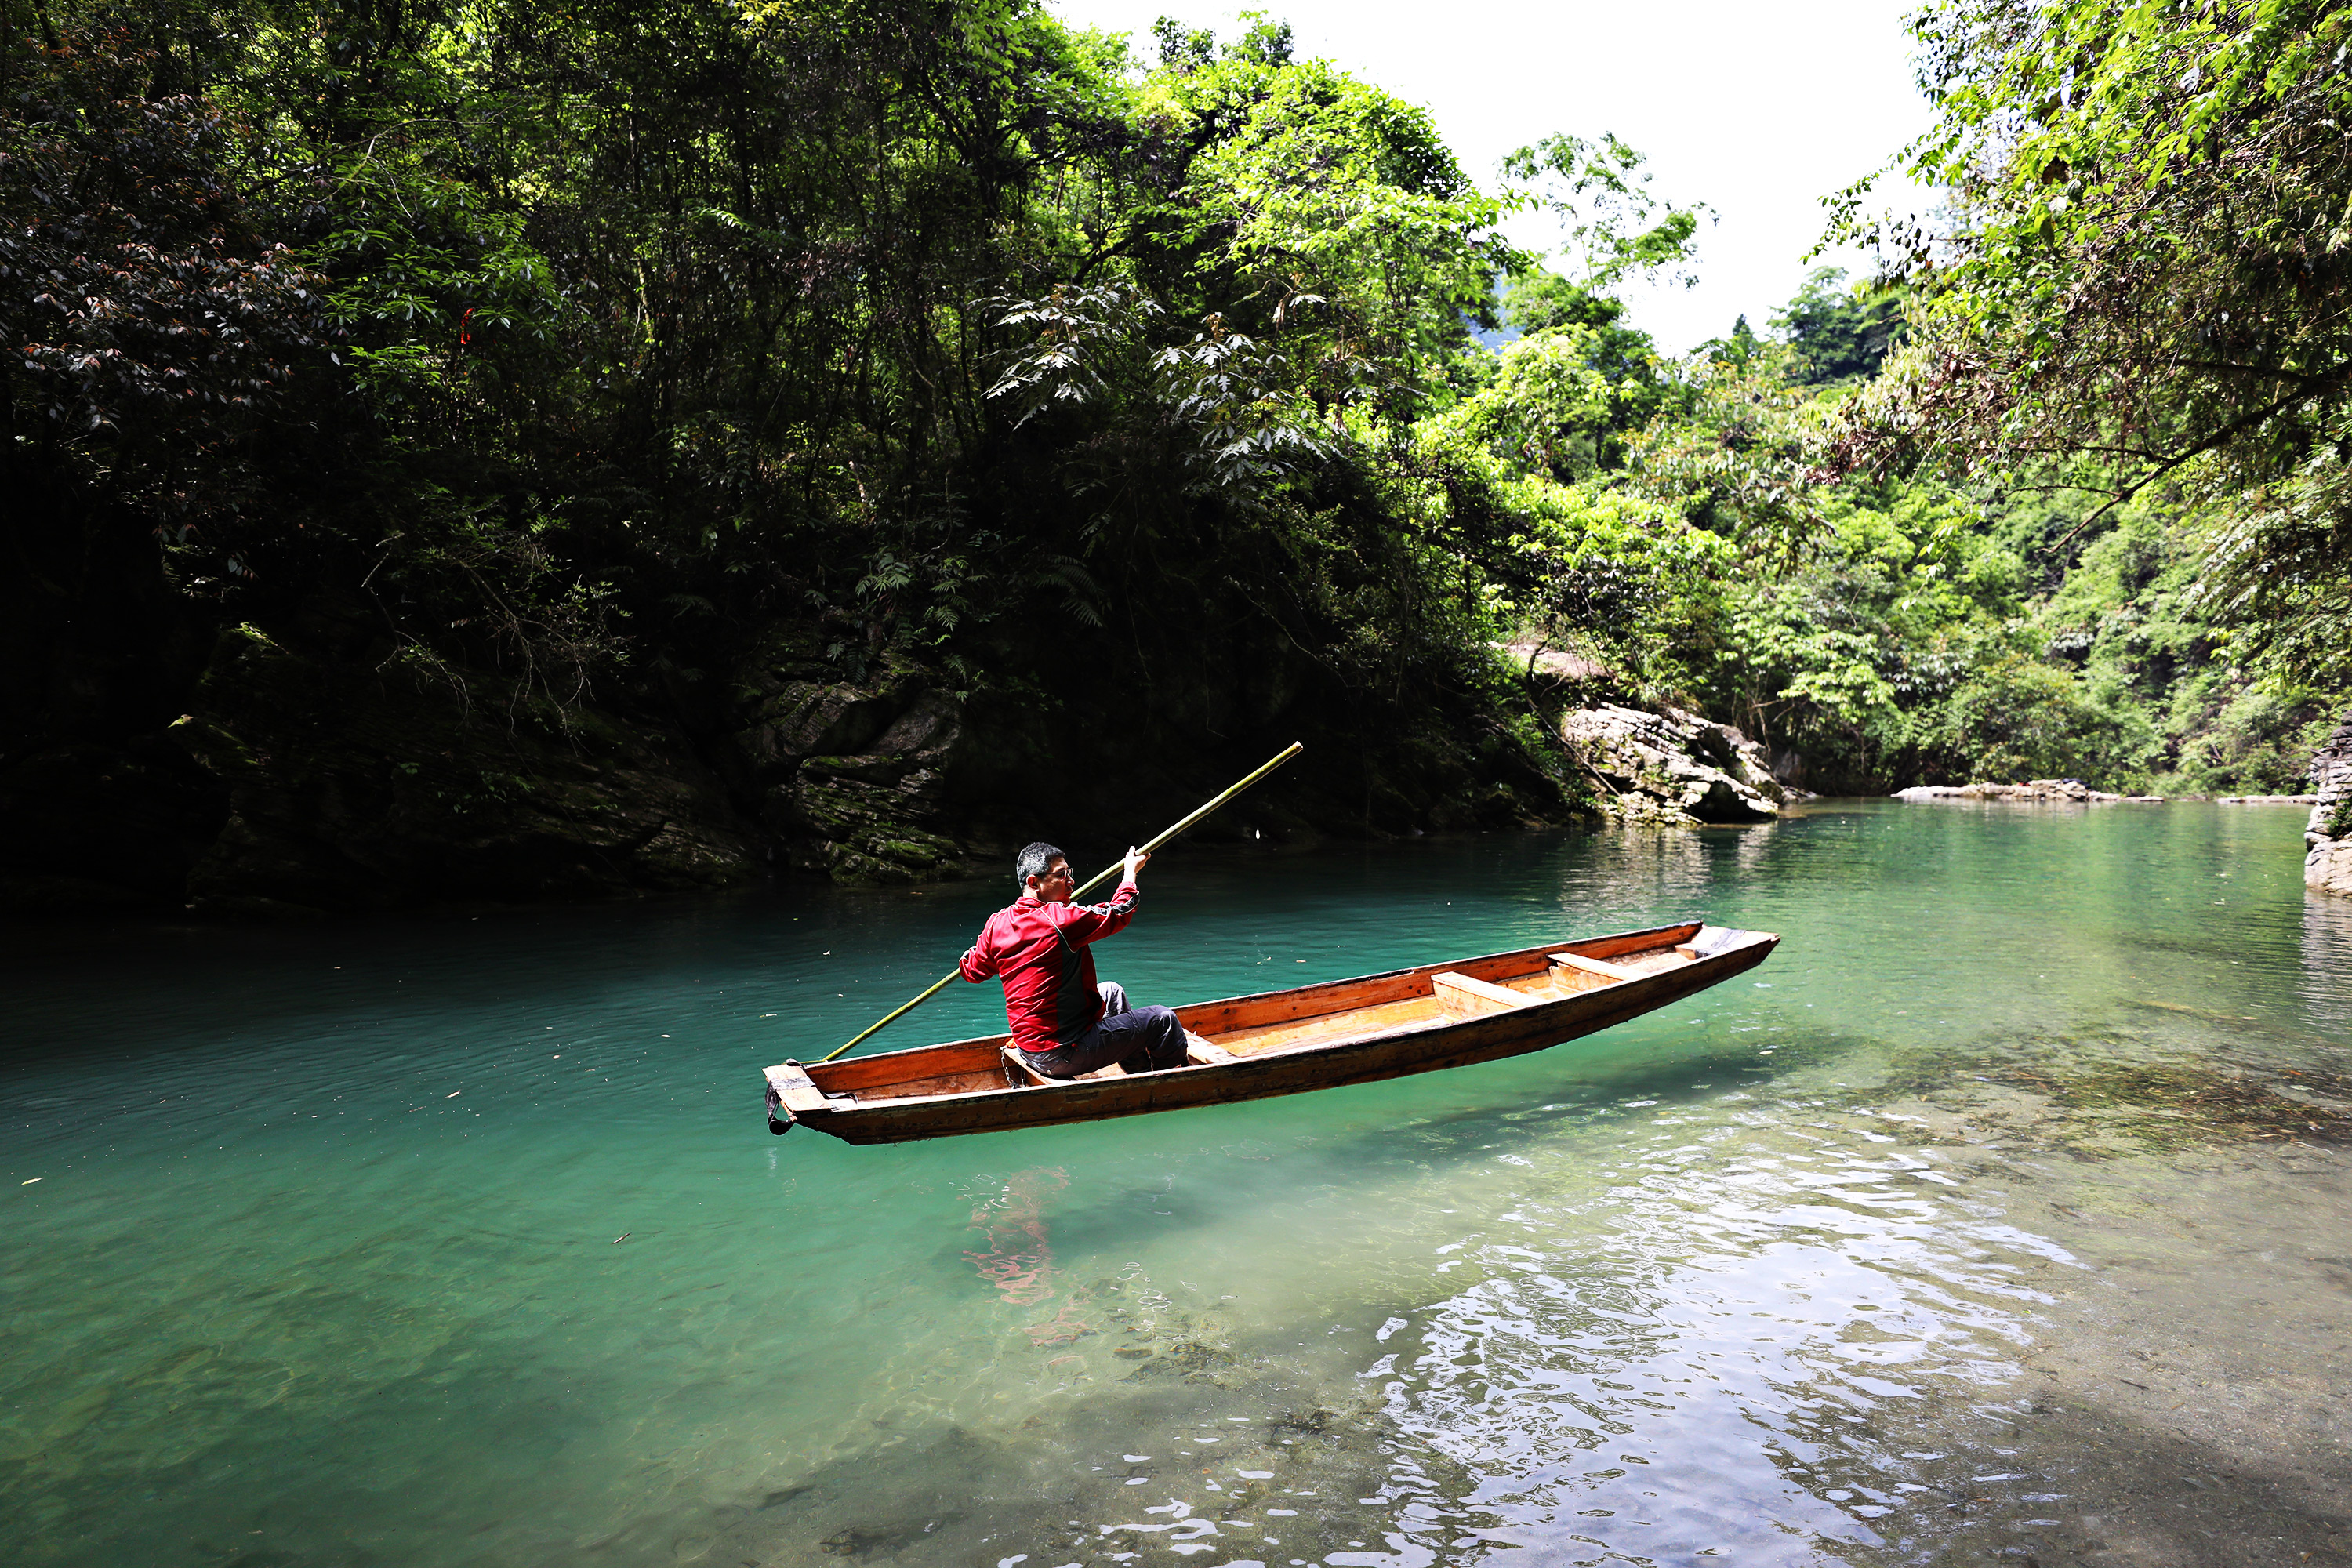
column 1839, row 333
column 1616, row 228
column 1735, row 348
column 2139, row 286
column 1539, row 300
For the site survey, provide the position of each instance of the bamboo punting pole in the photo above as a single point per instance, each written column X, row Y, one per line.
column 1287, row 754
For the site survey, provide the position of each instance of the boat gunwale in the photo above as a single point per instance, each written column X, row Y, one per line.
column 875, row 1119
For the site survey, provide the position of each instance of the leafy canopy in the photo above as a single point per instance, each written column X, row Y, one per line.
column 2143, row 280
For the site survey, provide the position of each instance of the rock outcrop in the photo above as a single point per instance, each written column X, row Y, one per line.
column 1671, row 767
column 2032, row 791
column 2327, row 865
column 295, row 784
column 851, row 775
column 1553, row 664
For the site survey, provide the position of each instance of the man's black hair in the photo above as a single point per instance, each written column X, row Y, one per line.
column 1032, row 861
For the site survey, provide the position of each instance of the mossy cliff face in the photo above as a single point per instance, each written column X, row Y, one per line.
column 304, row 775
column 901, row 773
column 849, row 775
column 378, row 789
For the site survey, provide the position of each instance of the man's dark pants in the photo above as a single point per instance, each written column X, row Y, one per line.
column 1140, row 1039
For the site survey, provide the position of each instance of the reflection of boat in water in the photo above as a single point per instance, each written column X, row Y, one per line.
column 1409, row 1021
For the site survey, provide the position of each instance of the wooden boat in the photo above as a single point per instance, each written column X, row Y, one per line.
column 1279, row 1042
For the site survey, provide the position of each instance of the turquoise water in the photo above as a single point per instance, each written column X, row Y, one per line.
column 461, row 1241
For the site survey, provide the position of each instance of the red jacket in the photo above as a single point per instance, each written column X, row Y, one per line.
column 1039, row 950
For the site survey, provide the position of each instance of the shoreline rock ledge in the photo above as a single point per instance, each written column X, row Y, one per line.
column 2034, row 790
column 2327, row 865
column 1673, row 767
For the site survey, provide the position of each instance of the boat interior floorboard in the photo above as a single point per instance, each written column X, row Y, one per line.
column 1538, row 988
column 1292, row 1034
column 950, row 1083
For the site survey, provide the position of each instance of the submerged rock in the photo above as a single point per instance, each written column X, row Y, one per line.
column 1187, row 1361
column 2327, row 865
column 1672, row 767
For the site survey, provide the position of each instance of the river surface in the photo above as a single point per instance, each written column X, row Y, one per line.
column 2002, row 1217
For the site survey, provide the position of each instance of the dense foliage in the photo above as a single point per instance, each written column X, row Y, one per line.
column 596, row 354
column 591, row 346
column 2141, row 289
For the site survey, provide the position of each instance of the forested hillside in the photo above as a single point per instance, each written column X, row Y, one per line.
column 515, row 451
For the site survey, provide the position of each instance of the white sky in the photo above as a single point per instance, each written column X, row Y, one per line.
column 1757, row 109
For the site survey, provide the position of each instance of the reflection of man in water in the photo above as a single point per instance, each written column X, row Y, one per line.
column 1019, row 1260
column 1038, row 946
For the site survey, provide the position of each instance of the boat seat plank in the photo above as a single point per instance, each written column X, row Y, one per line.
column 1572, row 972
column 1463, row 997
column 1612, row 949
column 1200, row 1053
column 1594, row 966
column 1651, row 960
column 1217, row 1019
column 1240, row 1016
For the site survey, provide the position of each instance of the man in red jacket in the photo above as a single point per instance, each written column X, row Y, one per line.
column 1038, row 946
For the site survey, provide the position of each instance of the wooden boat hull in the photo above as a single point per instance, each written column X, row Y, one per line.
column 1374, row 1027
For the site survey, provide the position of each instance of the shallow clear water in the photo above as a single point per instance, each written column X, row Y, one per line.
column 462, row 1241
